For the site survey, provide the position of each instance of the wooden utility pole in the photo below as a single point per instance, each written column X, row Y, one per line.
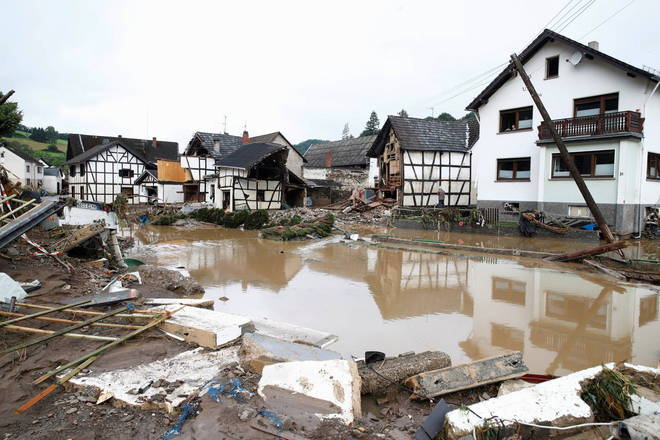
column 568, row 160
column 4, row 98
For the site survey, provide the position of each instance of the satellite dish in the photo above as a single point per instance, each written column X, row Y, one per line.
column 575, row 58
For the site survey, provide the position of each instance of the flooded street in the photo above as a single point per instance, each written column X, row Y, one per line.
column 398, row 300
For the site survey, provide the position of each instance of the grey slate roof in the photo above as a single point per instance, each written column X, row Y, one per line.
column 51, row 171
column 22, row 154
column 427, row 134
column 88, row 154
column 349, row 152
column 544, row 37
column 250, row 155
column 81, row 143
column 228, row 143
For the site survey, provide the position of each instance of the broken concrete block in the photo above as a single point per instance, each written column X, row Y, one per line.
column 466, row 376
column 556, row 402
column 509, row 386
column 260, row 350
column 310, row 391
column 206, row 327
column 188, row 371
column 292, row 332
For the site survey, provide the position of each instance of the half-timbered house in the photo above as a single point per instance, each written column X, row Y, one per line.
column 164, row 184
column 252, row 177
column 101, row 167
column 425, row 162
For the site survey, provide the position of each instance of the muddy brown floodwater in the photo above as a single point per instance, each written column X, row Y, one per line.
column 398, row 300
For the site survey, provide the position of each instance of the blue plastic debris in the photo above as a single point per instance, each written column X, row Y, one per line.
column 232, row 389
column 174, row 431
column 590, row 227
column 272, row 417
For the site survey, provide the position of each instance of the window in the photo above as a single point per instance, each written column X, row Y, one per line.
column 513, row 169
column 261, row 195
column 82, row 170
column 653, row 166
column 73, row 192
column 589, row 164
column 579, row 211
column 27, row 168
column 72, row 170
column 516, row 119
column 39, row 170
column 127, row 191
column 126, row 172
column 552, row 67
column 82, row 192
column 28, row 182
column 596, row 105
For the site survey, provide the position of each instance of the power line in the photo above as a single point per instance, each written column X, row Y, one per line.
column 557, row 14
column 469, row 81
column 577, row 14
column 609, row 18
column 566, row 14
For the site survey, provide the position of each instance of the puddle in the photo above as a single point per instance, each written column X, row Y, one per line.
column 396, row 301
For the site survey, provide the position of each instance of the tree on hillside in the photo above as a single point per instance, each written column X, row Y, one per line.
column 346, row 133
column 10, row 118
column 52, row 148
column 373, row 125
column 403, row 113
column 45, row 135
column 470, row 115
column 445, row 117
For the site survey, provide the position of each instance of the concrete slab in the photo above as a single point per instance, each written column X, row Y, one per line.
column 292, row 332
column 207, row 328
column 189, row 370
column 260, row 350
column 556, row 402
column 310, row 391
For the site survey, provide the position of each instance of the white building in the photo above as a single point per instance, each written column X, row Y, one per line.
column 163, row 184
column 53, row 177
column 21, row 167
column 101, row 167
column 608, row 116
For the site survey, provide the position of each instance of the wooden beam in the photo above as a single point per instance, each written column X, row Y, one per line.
column 563, row 151
column 45, row 312
column 49, row 332
column 466, row 376
column 63, row 331
column 136, row 313
column 71, row 321
column 571, row 256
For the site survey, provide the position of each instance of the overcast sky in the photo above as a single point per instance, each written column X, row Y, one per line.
column 167, row 69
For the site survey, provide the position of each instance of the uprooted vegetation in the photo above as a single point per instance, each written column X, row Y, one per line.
column 293, row 229
column 247, row 219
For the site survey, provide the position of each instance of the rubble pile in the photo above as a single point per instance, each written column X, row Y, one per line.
column 294, row 229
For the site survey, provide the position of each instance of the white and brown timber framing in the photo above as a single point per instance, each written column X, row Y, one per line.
column 417, row 158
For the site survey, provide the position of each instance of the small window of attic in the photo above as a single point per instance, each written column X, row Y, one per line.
column 552, row 67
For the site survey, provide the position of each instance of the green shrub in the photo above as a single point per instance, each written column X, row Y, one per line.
column 256, row 219
column 166, row 220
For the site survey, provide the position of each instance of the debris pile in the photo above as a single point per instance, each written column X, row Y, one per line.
column 314, row 229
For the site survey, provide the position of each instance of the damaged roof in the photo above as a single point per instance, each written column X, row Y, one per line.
column 347, row 152
column 549, row 36
column 227, row 142
column 427, row 134
column 250, row 155
column 79, row 144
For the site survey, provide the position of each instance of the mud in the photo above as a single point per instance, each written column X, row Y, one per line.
column 562, row 317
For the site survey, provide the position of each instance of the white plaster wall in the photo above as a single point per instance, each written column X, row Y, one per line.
column 588, row 78
column 373, row 171
column 170, row 192
column 50, row 184
column 315, row 173
column 15, row 165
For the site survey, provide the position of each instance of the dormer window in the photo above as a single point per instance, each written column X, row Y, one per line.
column 552, row 67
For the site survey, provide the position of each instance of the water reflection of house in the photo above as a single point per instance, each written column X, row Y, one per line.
column 223, row 256
column 563, row 322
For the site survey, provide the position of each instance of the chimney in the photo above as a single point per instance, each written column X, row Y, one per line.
column 216, row 146
column 328, row 159
column 119, row 136
column 246, row 137
column 594, row 45
column 154, row 143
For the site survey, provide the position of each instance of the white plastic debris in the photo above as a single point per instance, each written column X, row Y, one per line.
column 10, row 288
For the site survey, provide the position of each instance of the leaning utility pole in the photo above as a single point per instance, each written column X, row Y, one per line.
column 568, row 160
column 4, row 98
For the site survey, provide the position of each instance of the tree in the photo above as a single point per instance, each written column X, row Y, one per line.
column 403, row 113
column 346, row 133
column 52, row 148
column 445, row 117
column 47, row 135
column 373, row 125
column 470, row 115
column 10, row 118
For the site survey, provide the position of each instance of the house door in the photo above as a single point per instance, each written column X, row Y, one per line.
column 152, row 194
column 226, row 199
column 190, row 193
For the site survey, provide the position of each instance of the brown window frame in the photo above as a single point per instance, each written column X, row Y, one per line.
column 600, row 98
column 517, row 112
column 82, row 192
column 515, row 161
column 557, row 156
column 655, row 157
column 547, row 67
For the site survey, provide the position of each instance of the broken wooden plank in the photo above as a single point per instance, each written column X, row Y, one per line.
column 50, row 332
column 378, row 376
column 606, row 270
column 572, row 256
column 71, row 321
column 111, row 298
column 44, row 312
column 148, row 314
column 466, row 376
column 78, row 237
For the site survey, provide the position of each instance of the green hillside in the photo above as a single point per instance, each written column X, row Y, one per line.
column 36, row 149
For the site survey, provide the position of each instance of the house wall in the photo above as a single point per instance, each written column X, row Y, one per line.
column 17, row 167
column 51, row 184
column 294, row 161
column 170, row 192
column 243, row 191
column 101, row 181
column 200, row 167
column 588, row 78
column 348, row 177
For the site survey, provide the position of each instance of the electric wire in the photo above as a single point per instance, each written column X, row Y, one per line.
column 576, row 15
column 547, row 25
column 609, row 18
column 566, row 14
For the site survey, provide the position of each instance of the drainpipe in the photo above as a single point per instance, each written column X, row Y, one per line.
column 642, row 171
